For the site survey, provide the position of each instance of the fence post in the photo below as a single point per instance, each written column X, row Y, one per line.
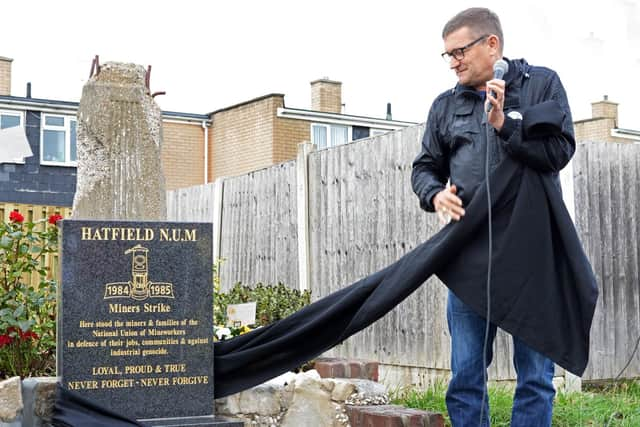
column 218, row 187
column 571, row 382
column 302, row 192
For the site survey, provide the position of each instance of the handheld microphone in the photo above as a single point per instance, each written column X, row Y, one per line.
column 500, row 68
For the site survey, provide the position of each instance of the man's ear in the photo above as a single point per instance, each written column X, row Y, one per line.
column 494, row 43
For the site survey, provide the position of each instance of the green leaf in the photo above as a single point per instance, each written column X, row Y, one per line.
column 16, row 234
column 19, row 311
column 6, row 242
column 25, row 325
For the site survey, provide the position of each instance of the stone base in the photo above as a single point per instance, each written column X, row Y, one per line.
column 193, row 421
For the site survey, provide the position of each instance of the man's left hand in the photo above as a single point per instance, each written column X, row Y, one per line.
column 496, row 115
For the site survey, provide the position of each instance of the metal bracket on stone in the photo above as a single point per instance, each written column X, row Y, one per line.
column 147, row 82
column 95, row 66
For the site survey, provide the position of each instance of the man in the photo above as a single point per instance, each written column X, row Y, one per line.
column 529, row 120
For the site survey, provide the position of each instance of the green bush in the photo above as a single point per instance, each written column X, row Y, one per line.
column 273, row 302
column 27, row 312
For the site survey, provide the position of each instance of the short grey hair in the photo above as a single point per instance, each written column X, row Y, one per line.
column 479, row 20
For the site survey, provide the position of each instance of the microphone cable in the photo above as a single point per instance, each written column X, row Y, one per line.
column 488, row 288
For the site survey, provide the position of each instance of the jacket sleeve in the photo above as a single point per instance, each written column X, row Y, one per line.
column 431, row 168
column 544, row 138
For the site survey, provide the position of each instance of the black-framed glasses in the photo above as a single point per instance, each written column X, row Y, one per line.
column 458, row 53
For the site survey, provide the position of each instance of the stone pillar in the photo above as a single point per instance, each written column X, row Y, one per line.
column 119, row 140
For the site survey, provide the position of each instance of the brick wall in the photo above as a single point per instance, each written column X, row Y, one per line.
column 182, row 154
column 250, row 136
column 591, row 129
column 5, row 75
column 604, row 118
column 604, row 109
column 288, row 134
column 243, row 137
column 596, row 130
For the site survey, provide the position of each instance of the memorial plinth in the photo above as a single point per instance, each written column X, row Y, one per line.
column 135, row 323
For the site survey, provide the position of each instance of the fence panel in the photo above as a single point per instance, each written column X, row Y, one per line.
column 607, row 188
column 259, row 234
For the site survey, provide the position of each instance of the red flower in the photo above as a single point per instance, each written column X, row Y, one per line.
column 5, row 340
column 28, row 335
column 12, row 330
column 53, row 219
column 16, row 216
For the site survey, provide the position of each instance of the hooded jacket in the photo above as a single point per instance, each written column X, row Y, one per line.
column 538, row 132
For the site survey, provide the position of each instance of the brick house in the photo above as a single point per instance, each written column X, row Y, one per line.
column 197, row 148
column 263, row 131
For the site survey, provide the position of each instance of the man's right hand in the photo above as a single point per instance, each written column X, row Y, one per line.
column 448, row 205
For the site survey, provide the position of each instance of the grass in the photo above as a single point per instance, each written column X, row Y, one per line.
column 615, row 405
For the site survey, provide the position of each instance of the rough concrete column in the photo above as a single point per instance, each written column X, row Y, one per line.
column 119, row 139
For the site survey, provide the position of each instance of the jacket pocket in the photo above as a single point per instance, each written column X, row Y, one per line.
column 464, row 130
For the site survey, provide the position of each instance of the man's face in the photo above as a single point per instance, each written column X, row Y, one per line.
column 476, row 67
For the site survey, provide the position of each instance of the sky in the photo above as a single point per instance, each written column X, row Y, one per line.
column 209, row 55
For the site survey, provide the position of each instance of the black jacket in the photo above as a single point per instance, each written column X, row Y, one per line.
column 454, row 141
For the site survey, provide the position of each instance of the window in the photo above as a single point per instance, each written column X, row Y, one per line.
column 359, row 132
column 325, row 136
column 58, row 140
column 9, row 120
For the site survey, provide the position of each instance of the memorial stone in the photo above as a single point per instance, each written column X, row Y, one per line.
column 135, row 320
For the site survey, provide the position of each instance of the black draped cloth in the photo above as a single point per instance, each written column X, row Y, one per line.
column 543, row 289
column 72, row 410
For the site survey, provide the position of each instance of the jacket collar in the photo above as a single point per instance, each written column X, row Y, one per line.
column 513, row 83
column 514, row 71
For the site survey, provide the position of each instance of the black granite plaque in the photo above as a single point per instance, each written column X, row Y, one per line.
column 135, row 316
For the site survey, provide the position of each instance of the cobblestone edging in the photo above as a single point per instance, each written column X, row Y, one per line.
column 312, row 399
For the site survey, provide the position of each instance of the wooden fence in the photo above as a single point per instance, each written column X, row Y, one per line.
column 363, row 216
column 607, row 199
column 351, row 211
column 34, row 213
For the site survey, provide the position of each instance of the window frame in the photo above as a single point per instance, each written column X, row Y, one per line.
column 20, row 115
column 327, row 126
column 67, row 139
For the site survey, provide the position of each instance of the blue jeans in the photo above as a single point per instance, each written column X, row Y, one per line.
column 533, row 400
